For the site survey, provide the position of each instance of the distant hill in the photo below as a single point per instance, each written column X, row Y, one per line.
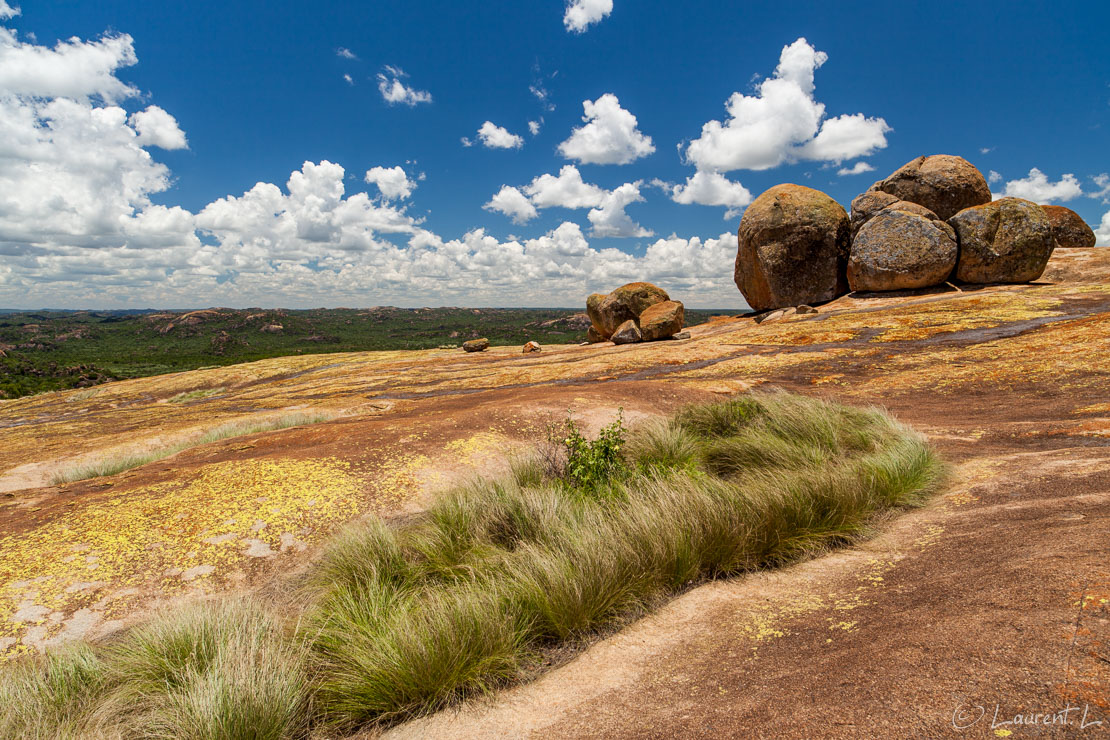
column 49, row 350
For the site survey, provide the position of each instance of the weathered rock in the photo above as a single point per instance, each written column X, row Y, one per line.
column 476, row 345
column 531, row 347
column 777, row 315
column 1068, row 228
column 681, row 335
column 627, row 333
column 803, row 309
column 942, row 183
column 593, row 336
column 900, row 250
column 870, row 204
column 662, row 320
column 1007, row 241
column 792, row 247
column 607, row 312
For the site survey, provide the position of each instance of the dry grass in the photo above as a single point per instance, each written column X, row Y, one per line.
column 118, row 463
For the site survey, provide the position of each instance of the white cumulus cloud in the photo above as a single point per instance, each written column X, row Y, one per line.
column 158, row 128
column 994, row 177
column 8, row 11
column 493, row 136
column 567, row 190
column 392, row 182
column 610, row 135
column 72, row 69
column 857, row 169
column 1102, row 233
column 513, row 203
column 1102, row 182
column 784, row 123
column 711, row 189
column 534, row 126
column 1036, row 187
column 345, row 53
column 394, row 91
column 581, row 14
column 609, row 218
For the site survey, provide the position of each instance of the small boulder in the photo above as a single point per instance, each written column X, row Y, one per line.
column 476, row 345
column 1007, row 241
column 270, row 328
column 792, row 246
column 531, row 347
column 900, row 250
column 593, row 336
column 627, row 333
column 681, row 335
column 942, row 183
column 1068, row 228
column 777, row 315
column 662, row 320
column 804, row 309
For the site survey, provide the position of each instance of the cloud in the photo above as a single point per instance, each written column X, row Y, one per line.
column 710, row 189
column 610, row 220
column 8, row 11
column 986, row 149
column 857, row 169
column 466, row 142
column 158, row 128
column 581, row 14
column 393, row 183
column 345, row 53
column 1036, row 187
column 994, row 177
column 1102, row 233
column 534, row 127
column 513, row 204
column 784, row 123
column 1102, row 182
column 610, row 135
column 394, row 91
column 73, row 69
column 496, row 137
column 565, row 191
column 348, row 79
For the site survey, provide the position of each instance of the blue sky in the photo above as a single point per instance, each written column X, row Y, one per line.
column 248, row 92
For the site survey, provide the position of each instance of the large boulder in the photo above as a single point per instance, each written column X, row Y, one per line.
column 662, row 320
column 870, row 204
column 942, row 183
column 1007, row 241
column 627, row 333
column 792, row 247
column 901, row 250
column 626, row 303
column 1068, row 228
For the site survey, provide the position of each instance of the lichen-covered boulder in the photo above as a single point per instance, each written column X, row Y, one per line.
column 901, row 250
column 870, row 204
column 593, row 336
column 1007, row 241
column 942, row 183
column 662, row 320
column 627, row 302
column 531, row 347
column 627, row 333
column 476, row 345
column 792, row 248
column 1068, row 228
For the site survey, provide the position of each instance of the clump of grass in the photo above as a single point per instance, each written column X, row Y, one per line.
column 720, row 489
column 196, row 395
column 114, row 464
column 405, row 620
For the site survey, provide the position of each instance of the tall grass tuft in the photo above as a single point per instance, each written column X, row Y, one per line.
column 407, row 619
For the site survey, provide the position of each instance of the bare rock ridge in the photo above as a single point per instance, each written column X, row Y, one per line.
column 929, row 222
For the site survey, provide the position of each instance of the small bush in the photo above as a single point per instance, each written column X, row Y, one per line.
column 588, row 464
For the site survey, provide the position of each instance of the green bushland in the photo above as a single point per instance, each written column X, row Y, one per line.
column 500, row 575
column 54, row 350
column 113, row 464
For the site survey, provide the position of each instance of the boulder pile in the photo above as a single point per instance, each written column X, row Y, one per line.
column 931, row 221
column 636, row 312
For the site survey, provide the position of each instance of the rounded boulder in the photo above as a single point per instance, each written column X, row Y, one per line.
column 607, row 312
column 627, row 333
column 901, row 250
column 1068, row 228
column 792, row 246
column 662, row 320
column 1007, row 241
column 943, row 183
